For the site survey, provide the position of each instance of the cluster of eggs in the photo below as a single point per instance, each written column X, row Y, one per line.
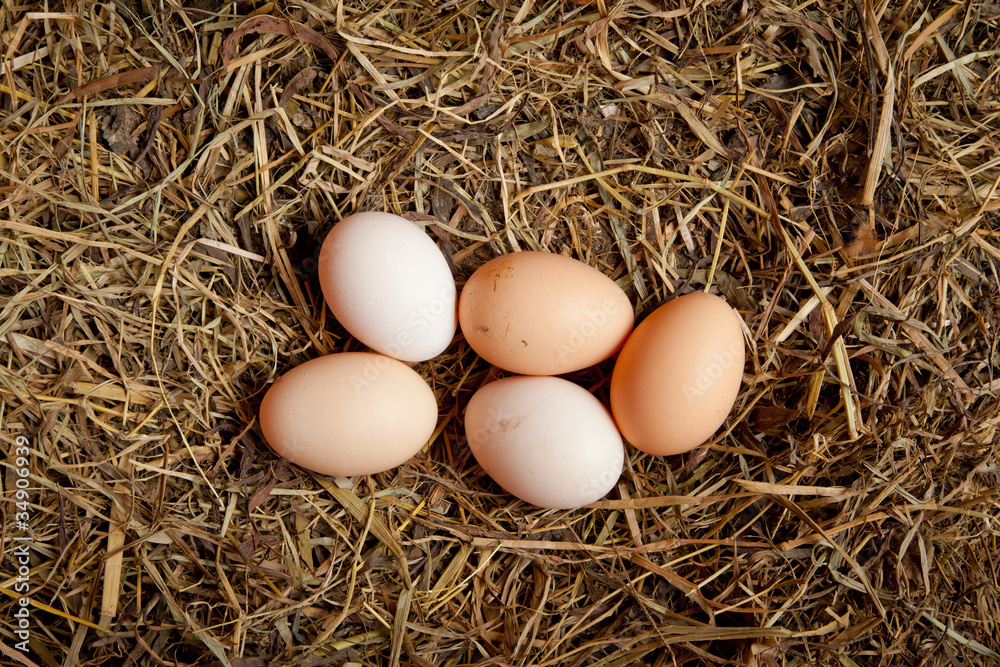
column 538, row 315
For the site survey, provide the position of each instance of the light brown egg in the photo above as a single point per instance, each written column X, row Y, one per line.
column 538, row 313
column 354, row 413
column 678, row 375
column 545, row 440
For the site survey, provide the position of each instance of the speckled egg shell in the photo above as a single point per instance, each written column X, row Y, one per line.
column 539, row 313
column 545, row 440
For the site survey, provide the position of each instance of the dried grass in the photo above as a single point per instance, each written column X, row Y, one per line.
column 830, row 168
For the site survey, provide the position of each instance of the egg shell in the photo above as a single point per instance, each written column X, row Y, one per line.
column 677, row 377
column 353, row 413
column 389, row 285
column 538, row 313
column 545, row 440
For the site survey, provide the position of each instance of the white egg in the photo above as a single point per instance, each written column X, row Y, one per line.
column 389, row 285
column 545, row 440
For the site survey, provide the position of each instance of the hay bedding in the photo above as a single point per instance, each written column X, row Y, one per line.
column 830, row 168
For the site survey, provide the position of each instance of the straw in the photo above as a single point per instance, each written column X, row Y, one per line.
column 830, row 169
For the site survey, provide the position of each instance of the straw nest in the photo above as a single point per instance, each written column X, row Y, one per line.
column 831, row 169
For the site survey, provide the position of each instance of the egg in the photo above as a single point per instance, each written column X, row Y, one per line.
column 538, row 313
column 352, row 413
column 677, row 377
column 545, row 440
column 389, row 285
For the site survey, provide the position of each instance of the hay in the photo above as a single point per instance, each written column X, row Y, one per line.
column 830, row 168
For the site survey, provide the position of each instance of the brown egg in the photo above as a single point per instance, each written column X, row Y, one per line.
column 678, row 375
column 537, row 313
column 354, row 413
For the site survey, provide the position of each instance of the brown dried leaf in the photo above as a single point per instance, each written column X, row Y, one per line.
column 272, row 25
column 140, row 75
column 299, row 81
column 118, row 128
column 768, row 416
